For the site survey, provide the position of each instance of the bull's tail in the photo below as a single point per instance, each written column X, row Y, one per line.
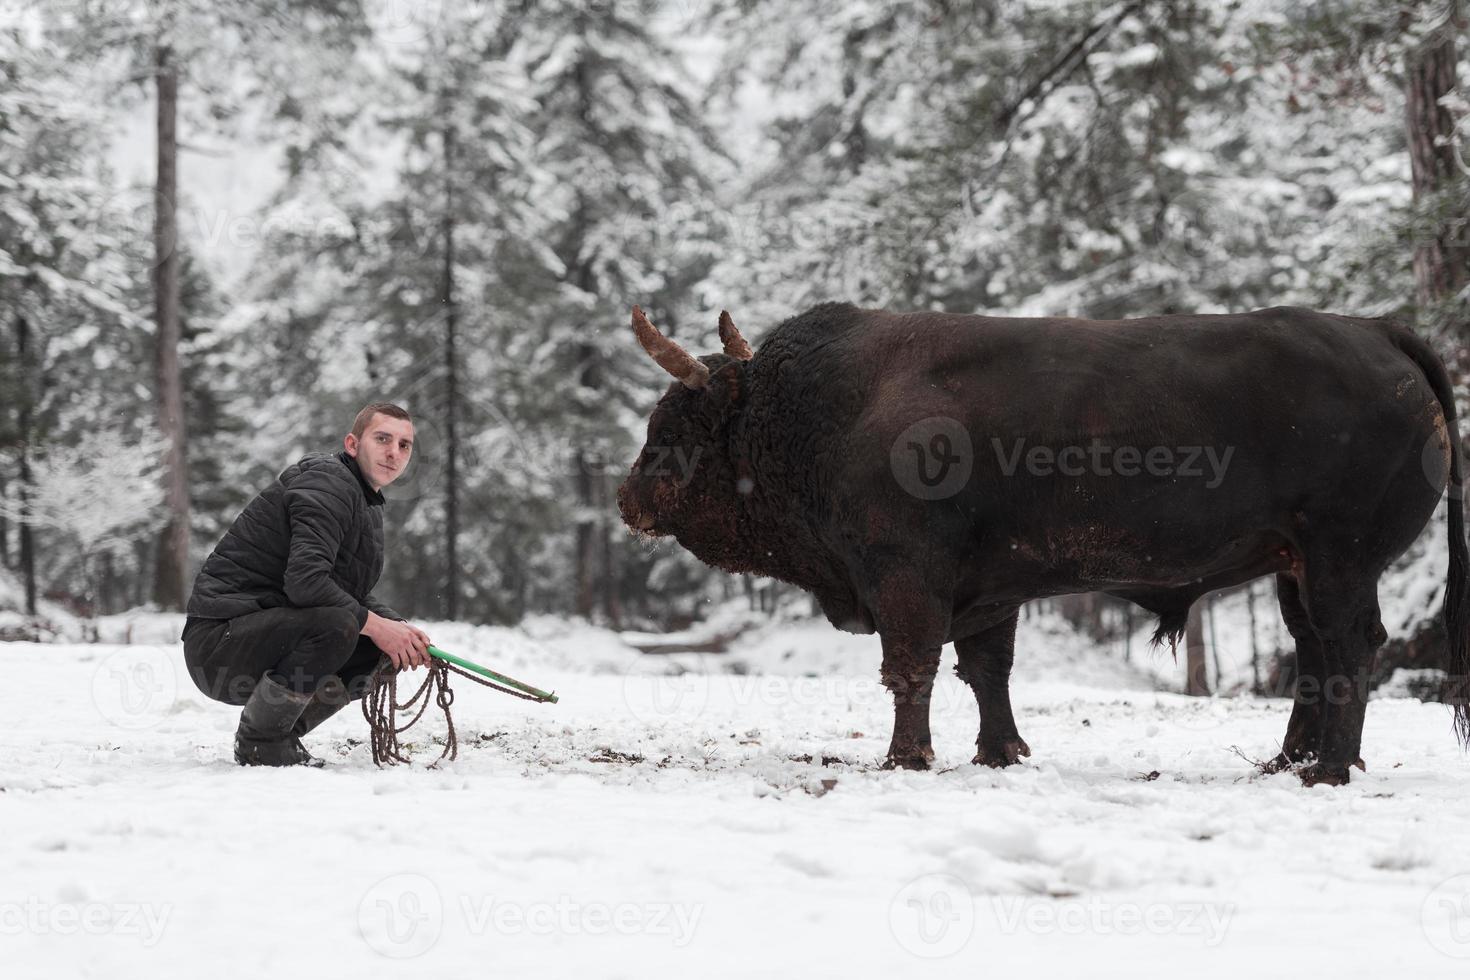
column 1456, row 601
column 1456, row 597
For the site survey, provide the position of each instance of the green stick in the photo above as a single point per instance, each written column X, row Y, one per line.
column 536, row 693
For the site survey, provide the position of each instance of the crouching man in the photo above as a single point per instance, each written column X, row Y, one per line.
column 282, row 619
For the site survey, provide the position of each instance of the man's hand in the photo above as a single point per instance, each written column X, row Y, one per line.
column 407, row 646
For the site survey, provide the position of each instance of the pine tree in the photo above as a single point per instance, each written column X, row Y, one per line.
column 627, row 153
column 65, row 317
column 166, row 44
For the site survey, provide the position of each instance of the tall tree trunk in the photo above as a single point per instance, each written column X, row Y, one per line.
column 612, row 602
column 586, row 545
column 589, row 553
column 1441, row 258
column 1214, row 645
column 1128, row 633
column 589, row 376
column 1196, row 674
column 4, row 527
column 27, row 541
column 451, row 387
column 1250, row 609
column 107, row 582
column 173, row 542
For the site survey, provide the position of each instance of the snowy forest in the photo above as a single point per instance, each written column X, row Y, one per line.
column 453, row 206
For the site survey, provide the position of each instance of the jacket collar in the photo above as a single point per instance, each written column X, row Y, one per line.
column 373, row 496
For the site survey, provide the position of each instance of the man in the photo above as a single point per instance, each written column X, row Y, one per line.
column 282, row 619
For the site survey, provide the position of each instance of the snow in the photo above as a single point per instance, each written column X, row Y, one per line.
column 672, row 815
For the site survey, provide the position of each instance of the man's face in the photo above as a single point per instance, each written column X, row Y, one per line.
column 384, row 449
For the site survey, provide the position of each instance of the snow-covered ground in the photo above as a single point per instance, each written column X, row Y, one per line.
column 671, row 818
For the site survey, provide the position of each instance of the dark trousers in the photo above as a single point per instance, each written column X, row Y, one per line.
column 299, row 648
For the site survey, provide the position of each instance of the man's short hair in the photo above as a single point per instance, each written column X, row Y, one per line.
column 360, row 424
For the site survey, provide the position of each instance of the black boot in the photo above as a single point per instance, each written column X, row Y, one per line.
column 265, row 737
column 330, row 698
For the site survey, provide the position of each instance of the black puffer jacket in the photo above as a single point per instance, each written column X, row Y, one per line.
column 312, row 538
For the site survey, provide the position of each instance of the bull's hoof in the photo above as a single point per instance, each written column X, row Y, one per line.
column 917, row 759
column 1321, row 774
column 1006, row 754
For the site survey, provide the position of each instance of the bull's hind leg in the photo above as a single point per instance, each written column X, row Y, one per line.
column 1343, row 609
column 985, row 664
column 1304, row 729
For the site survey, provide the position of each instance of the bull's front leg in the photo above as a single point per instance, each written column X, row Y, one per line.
column 909, row 666
column 913, row 620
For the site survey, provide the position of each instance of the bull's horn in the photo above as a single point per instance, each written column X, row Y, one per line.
column 669, row 355
column 735, row 345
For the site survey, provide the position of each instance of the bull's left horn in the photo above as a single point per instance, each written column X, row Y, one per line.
column 669, row 355
column 735, row 345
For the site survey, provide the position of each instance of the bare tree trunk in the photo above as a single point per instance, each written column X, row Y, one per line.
column 173, row 543
column 1441, row 258
column 1250, row 608
column 612, row 605
column 23, row 491
column 1128, row 633
column 4, row 526
column 586, row 539
column 1196, row 675
column 451, row 387
column 27, row 541
column 1214, row 646
column 589, row 375
column 107, row 582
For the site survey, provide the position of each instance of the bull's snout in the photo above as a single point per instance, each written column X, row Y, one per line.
column 633, row 515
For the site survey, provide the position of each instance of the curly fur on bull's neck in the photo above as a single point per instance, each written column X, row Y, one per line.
column 796, row 399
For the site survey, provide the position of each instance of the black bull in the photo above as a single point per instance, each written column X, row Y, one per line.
column 924, row 474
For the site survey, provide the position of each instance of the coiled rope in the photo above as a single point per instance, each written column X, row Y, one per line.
column 382, row 708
